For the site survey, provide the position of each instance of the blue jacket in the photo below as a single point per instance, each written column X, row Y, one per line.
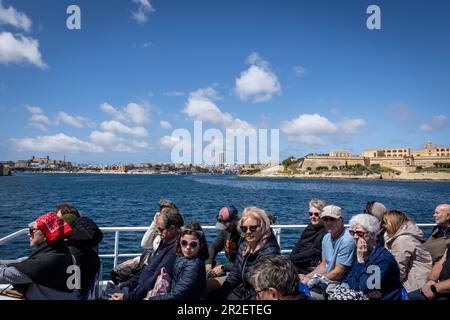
column 188, row 282
column 391, row 286
column 237, row 284
column 144, row 280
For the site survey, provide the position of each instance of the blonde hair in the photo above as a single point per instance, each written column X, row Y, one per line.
column 317, row 203
column 255, row 213
column 393, row 220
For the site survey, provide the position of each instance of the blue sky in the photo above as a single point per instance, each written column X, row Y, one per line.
column 116, row 89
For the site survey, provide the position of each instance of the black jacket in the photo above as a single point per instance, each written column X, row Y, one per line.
column 188, row 282
column 228, row 240
column 237, row 284
column 144, row 281
column 83, row 244
column 307, row 253
column 47, row 266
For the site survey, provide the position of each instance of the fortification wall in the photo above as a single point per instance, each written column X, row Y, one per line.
column 322, row 161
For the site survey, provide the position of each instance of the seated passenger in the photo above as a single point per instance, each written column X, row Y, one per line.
column 83, row 244
column 228, row 239
column 385, row 283
column 189, row 274
column 307, row 253
column 440, row 235
column 438, row 284
column 44, row 274
column 275, row 278
column 377, row 210
column 338, row 254
column 150, row 241
column 404, row 240
column 259, row 242
column 168, row 223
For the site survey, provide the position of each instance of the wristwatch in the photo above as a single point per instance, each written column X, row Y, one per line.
column 433, row 289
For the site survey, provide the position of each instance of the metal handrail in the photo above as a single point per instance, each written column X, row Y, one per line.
column 116, row 255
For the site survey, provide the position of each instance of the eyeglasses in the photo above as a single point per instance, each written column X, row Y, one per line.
column 252, row 229
column 360, row 234
column 326, row 219
column 315, row 214
column 31, row 230
column 193, row 243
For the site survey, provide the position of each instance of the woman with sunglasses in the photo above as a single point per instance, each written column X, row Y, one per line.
column 258, row 243
column 375, row 273
column 189, row 273
column 307, row 253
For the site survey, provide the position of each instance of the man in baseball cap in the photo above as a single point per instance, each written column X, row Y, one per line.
column 225, row 217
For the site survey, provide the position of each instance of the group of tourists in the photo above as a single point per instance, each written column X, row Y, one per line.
column 382, row 255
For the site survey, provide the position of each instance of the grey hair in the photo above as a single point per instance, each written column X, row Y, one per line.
column 317, row 203
column 368, row 222
column 277, row 272
column 258, row 214
column 166, row 203
column 172, row 217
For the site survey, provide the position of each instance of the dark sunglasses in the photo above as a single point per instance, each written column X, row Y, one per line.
column 315, row 214
column 329, row 219
column 358, row 233
column 32, row 230
column 193, row 243
column 252, row 229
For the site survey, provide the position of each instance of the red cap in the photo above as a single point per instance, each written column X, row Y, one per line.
column 52, row 227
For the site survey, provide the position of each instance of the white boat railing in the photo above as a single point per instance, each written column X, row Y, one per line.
column 117, row 230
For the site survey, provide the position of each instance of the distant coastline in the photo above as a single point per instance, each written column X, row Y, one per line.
column 411, row 176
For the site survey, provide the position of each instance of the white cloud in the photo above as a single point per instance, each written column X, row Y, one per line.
column 165, row 125
column 435, row 124
column 142, row 12
column 174, row 93
column 20, row 49
column 105, row 139
column 139, row 144
column 350, row 126
column 56, row 143
column 258, row 83
column 34, row 110
column 10, row 16
column 114, row 143
column 299, row 71
column 78, row 121
column 132, row 113
column 169, row 141
column 200, row 106
column 311, row 129
column 38, row 126
column 40, row 118
column 116, row 126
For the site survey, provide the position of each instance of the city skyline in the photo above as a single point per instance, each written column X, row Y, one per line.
column 114, row 91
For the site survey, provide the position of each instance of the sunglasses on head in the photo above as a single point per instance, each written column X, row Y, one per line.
column 358, row 233
column 315, row 214
column 249, row 228
column 193, row 243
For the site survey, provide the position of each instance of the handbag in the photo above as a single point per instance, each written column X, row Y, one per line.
column 162, row 284
column 341, row 293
